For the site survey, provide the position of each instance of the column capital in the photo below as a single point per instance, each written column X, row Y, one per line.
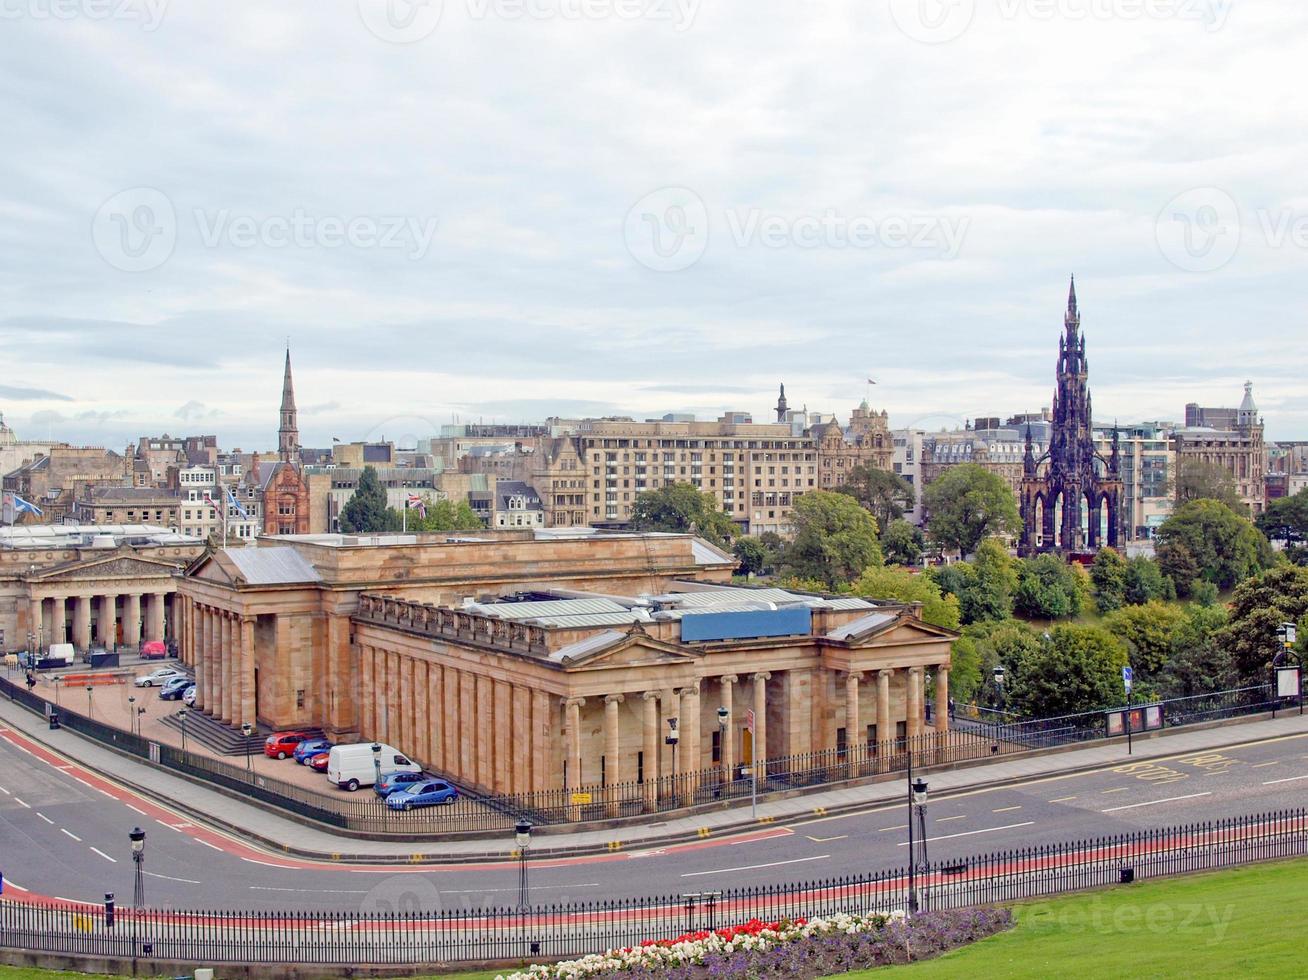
column 729, row 679
column 853, row 675
column 942, row 668
column 762, row 675
column 886, row 673
column 691, row 690
column 574, row 702
column 614, row 698
column 650, row 696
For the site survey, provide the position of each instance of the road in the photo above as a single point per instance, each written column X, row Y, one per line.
column 64, row 832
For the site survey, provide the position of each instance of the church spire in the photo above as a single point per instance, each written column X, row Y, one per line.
column 288, row 433
column 1071, row 296
column 781, row 405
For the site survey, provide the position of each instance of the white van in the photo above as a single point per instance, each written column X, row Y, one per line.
column 61, row 651
column 352, row 766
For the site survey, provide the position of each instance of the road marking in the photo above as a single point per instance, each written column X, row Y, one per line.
column 1120, row 789
column 5, row 791
column 823, row 840
column 1005, row 809
column 343, row 891
column 45, row 818
column 1270, row 782
column 136, row 808
column 1063, row 799
column 969, row 833
column 70, row 834
column 902, row 826
column 22, row 803
column 961, row 816
column 1170, row 799
column 282, row 867
column 84, row 782
column 206, row 843
column 188, row 881
column 10, row 884
column 1263, row 765
column 104, row 855
column 168, row 825
column 755, row 867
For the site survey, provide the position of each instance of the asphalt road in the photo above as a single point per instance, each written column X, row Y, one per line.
column 63, row 833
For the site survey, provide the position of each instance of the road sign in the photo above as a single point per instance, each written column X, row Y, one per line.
column 749, row 720
column 1127, row 677
column 1289, row 633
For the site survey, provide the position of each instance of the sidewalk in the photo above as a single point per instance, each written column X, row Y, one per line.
column 252, row 822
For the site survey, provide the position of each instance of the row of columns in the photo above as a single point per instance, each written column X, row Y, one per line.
column 219, row 644
column 50, row 619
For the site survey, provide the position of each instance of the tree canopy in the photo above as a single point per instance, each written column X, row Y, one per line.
column 443, row 515
column 1079, row 668
column 366, row 511
column 890, row 582
column 967, row 503
column 1109, row 574
column 1286, row 519
column 1050, row 588
column 903, row 543
column 1198, row 479
column 682, row 508
column 1207, row 540
column 1258, row 608
column 887, row 495
column 835, row 539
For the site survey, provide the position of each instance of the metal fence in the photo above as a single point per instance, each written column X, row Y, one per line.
column 553, row 932
column 472, row 814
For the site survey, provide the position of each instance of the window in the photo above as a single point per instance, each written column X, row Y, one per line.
column 717, row 746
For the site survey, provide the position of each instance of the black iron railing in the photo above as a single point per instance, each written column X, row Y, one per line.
column 433, row 935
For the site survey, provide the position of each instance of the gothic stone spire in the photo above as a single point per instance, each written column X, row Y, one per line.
column 288, row 433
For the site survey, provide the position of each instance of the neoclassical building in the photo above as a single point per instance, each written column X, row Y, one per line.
column 519, row 661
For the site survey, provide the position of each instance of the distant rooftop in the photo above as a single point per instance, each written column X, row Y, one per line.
column 84, row 535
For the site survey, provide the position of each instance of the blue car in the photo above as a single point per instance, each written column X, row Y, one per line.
column 428, row 793
column 310, row 747
column 391, row 781
column 174, row 688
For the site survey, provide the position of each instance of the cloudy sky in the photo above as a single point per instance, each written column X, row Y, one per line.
column 505, row 209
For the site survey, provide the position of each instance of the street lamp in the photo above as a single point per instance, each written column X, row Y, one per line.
column 724, row 718
column 181, row 716
column 376, row 760
column 89, row 689
column 672, row 738
column 137, row 837
column 917, row 852
column 247, row 730
column 131, row 713
column 522, row 837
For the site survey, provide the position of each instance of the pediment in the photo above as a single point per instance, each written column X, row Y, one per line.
column 110, row 568
column 213, row 568
column 903, row 630
column 633, row 650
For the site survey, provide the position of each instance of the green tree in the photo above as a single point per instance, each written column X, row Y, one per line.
column 1050, row 588
column 751, row 554
column 1197, row 663
column 1286, row 519
column 366, row 511
column 887, row 495
column 1108, row 575
column 1258, row 608
column 903, row 543
column 1201, row 480
column 996, row 642
column 1206, row 539
column 891, row 582
column 1146, row 581
column 835, row 539
column 442, row 515
column 682, row 508
column 1079, row 668
column 995, row 582
column 1148, row 631
column 968, row 503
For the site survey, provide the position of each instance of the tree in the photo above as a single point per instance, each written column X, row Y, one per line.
column 835, row 538
column 887, row 495
column 1148, row 632
column 1050, row 588
column 1079, row 668
column 890, row 582
column 682, row 508
column 1206, row 539
column 994, row 643
column 903, row 543
column 1197, row 663
column 366, row 511
column 1109, row 574
column 1198, row 479
column 1145, row 581
column 1258, row 608
column 1286, row 519
column 751, row 554
column 968, row 503
column 996, row 580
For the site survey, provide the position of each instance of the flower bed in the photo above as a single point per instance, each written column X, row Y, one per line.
column 788, row 948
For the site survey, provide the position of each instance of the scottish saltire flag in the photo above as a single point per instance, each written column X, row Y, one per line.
column 416, row 503
column 24, row 507
column 231, row 497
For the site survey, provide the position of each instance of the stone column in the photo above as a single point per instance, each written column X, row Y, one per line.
column 409, row 703
column 915, row 702
column 58, row 621
column 885, row 726
column 394, row 696
column 36, row 620
column 573, row 706
column 729, row 733
column 212, row 663
column 82, row 622
column 650, row 747
column 155, row 629
column 228, row 658
column 249, row 697
column 690, row 747
column 435, row 721
column 942, row 698
column 108, row 622
column 366, row 694
column 132, row 620
column 854, row 738
column 761, row 724
column 612, row 763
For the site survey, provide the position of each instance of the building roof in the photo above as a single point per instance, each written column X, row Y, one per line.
column 271, row 566
column 84, row 535
column 505, row 490
column 126, row 495
column 864, row 624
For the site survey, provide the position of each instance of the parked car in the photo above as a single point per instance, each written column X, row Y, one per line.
column 175, row 687
column 154, row 650
column 159, row 675
column 431, row 792
column 310, row 747
column 279, row 745
column 319, row 762
column 392, row 781
column 353, row 766
column 188, row 696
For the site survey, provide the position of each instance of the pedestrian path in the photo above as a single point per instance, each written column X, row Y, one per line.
column 253, row 821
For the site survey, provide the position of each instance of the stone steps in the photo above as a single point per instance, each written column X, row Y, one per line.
column 221, row 738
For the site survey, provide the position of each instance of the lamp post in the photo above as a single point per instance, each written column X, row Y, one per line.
column 1128, row 680
column 89, row 690
column 917, row 852
column 247, row 730
column 131, row 713
column 672, row 738
column 137, row 837
column 522, row 837
column 376, row 761
column 181, row 716
column 724, row 718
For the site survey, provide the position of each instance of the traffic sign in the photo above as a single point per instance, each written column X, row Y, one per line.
column 1127, row 677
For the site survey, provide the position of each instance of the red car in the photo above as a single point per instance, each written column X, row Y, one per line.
column 319, row 761
column 279, row 745
column 154, row 650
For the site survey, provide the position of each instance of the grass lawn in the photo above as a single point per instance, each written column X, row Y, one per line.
column 1223, row 924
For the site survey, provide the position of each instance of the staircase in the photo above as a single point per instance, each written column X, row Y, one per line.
column 221, row 738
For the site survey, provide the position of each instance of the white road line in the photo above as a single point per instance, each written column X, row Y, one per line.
column 1170, row 799
column 1263, row 765
column 1063, row 799
column 22, row 803
column 206, row 844
column 45, row 818
column 1270, row 782
column 902, row 826
column 70, row 834
column 104, row 855
column 947, row 819
column 323, row 891
column 1005, row 809
column 755, row 867
column 137, row 809
column 969, row 833
column 5, row 791
column 168, row 825
column 188, row 881
column 282, row 867
column 84, row 782
column 823, row 840
column 10, row 884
